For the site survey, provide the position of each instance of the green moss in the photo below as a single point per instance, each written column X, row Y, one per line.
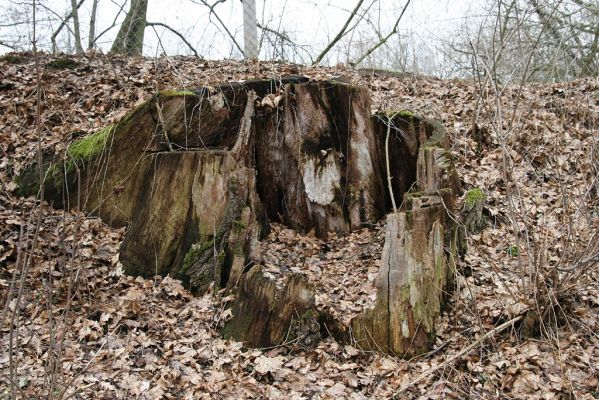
column 28, row 185
column 28, row 182
column 88, row 147
column 63, row 63
column 309, row 315
column 512, row 251
column 473, row 196
column 405, row 114
column 220, row 258
column 54, row 176
column 229, row 330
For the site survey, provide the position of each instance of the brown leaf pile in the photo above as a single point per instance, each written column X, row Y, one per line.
column 87, row 330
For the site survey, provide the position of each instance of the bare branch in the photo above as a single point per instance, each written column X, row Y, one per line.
column 211, row 7
column 10, row 46
column 111, row 25
column 176, row 33
column 384, row 40
column 63, row 23
column 339, row 35
column 459, row 354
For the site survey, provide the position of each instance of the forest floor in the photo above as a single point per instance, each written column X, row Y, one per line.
column 85, row 330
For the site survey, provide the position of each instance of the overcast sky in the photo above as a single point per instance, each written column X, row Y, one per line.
column 311, row 23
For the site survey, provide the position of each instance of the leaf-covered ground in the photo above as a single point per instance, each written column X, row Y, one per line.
column 82, row 328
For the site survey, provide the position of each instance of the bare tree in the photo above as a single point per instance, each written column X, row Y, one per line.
column 568, row 48
column 64, row 22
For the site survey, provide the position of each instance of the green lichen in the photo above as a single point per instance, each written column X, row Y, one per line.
column 437, row 136
column 239, row 248
column 473, row 196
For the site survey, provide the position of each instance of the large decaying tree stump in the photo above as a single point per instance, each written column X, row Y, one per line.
column 198, row 175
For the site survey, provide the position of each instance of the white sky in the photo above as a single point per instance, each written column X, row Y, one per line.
column 309, row 22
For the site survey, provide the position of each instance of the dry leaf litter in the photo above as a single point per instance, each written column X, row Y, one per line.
column 105, row 335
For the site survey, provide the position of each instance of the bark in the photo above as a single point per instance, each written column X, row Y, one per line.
column 130, row 38
column 76, row 29
column 91, row 38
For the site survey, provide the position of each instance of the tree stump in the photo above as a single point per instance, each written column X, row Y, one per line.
column 197, row 176
column 472, row 210
column 267, row 314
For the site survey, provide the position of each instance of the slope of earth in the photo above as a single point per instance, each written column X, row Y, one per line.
column 83, row 329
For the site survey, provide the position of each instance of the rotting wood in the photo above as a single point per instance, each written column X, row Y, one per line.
column 266, row 314
column 198, row 175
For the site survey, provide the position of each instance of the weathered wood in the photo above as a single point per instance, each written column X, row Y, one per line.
column 472, row 210
column 421, row 245
column 317, row 159
column 197, row 175
column 265, row 314
column 410, row 282
column 195, row 226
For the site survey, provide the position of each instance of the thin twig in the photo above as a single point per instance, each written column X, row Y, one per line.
column 163, row 125
column 339, row 35
column 231, row 36
column 176, row 33
column 459, row 354
column 383, row 40
column 389, row 121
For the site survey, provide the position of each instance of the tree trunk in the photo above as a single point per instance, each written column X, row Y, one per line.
column 76, row 30
column 130, row 38
column 91, row 38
